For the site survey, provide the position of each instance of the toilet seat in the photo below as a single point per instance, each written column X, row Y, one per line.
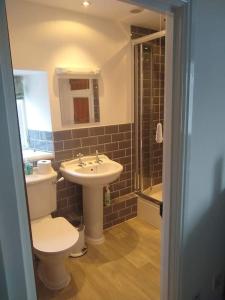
column 53, row 235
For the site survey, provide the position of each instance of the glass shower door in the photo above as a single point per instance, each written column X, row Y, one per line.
column 143, row 116
column 149, row 63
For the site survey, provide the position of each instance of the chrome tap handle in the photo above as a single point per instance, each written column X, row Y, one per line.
column 80, row 155
column 98, row 160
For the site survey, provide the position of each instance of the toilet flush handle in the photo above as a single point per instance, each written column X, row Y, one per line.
column 59, row 180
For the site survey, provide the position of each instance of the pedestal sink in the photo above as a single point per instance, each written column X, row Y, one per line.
column 93, row 176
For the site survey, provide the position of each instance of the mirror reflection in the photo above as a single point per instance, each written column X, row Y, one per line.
column 79, row 100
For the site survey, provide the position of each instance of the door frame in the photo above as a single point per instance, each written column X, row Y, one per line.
column 176, row 146
column 16, row 261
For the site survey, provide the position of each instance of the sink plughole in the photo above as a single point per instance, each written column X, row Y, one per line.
column 93, row 176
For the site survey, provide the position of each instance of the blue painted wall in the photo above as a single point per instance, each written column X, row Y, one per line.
column 204, row 226
column 3, row 285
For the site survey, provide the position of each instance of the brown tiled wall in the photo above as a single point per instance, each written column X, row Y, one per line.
column 122, row 209
column 153, row 105
column 114, row 141
column 69, row 201
column 158, row 50
column 96, row 100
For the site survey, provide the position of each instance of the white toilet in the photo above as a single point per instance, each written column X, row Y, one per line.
column 53, row 238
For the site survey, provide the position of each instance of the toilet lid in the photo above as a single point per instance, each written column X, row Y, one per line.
column 53, row 235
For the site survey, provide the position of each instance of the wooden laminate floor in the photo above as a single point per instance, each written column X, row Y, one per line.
column 125, row 267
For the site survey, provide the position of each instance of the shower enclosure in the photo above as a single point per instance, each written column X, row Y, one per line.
column 149, row 57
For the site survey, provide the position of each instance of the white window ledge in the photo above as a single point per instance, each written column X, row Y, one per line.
column 32, row 155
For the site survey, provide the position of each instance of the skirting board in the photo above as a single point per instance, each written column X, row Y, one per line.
column 148, row 212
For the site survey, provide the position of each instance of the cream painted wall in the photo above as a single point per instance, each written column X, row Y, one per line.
column 44, row 38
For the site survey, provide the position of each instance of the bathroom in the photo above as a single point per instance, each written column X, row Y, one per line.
column 56, row 45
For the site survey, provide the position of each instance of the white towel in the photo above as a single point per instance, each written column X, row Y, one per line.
column 159, row 134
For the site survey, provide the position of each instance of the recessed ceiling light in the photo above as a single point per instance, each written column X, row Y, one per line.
column 86, row 3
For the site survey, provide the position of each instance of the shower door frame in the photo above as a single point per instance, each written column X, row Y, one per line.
column 138, row 112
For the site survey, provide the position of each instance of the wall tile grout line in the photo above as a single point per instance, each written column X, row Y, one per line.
column 114, row 141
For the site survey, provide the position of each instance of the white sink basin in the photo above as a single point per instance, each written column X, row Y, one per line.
column 91, row 173
column 93, row 176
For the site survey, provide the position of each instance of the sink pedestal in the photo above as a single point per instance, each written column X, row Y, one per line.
column 93, row 214
column 93, row 176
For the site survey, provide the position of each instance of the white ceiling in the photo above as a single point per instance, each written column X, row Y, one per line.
column 108, row 9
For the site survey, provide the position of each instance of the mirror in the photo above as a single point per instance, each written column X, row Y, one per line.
column 79, row 100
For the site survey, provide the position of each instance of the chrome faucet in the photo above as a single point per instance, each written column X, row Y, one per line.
column 98, row 160
column 81, row 163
